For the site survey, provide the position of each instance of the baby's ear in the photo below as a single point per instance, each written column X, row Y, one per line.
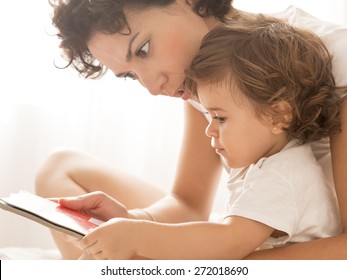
column 281, row 116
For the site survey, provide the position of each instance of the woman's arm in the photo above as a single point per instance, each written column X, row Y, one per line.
column 332, row 248
column 71, row 173
column 325, row 248
column 197, row 175
column 192, row 195
column 339, row 163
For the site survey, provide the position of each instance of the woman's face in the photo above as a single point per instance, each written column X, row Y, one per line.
column 162, row 44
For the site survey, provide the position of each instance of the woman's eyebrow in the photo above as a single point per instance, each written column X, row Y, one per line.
column 129, row 53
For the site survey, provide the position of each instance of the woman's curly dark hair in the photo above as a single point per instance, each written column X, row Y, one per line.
column 271, row 61
column 76, row 20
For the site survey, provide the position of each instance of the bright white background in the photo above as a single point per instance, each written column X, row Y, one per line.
column 42, row 108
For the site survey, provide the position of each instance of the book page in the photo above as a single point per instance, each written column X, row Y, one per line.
column 49, row 213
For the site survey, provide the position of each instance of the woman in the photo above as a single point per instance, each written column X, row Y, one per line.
column 127, row 39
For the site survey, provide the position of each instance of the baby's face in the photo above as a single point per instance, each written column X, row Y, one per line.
column 236, row 132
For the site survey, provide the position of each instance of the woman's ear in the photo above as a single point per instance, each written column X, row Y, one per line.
column 281, row 116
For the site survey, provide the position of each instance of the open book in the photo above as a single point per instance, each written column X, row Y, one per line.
column 49, row 213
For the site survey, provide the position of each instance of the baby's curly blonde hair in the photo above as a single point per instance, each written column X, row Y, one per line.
column 271, row 61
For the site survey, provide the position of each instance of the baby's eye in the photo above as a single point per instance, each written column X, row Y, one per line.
column 143, row 51
column 221, row 120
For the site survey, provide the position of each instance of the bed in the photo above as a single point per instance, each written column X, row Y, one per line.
column 27, row 253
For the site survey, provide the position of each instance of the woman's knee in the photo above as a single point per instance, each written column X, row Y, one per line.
column 55, row 167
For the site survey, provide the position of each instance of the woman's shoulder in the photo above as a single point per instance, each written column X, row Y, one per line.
column 301, row 18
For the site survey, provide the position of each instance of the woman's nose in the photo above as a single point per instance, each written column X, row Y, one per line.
column 154, row 83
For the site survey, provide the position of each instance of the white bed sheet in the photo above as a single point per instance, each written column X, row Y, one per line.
column 24, row 253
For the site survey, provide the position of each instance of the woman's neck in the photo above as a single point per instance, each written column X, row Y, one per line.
column 212, row 22
column 234, row 14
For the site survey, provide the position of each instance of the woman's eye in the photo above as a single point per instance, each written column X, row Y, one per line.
column 143, row 51
column 130, row 75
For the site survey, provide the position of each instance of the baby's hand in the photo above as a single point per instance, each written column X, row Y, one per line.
column 112, row 240
column 73, row 240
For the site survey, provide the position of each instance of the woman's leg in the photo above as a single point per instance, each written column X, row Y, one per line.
column 71, row 173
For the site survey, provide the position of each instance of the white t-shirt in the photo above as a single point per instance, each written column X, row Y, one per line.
column 286, row 191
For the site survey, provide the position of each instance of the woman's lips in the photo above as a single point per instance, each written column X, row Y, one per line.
column 184, row 94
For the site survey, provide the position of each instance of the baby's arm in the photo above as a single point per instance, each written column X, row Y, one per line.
column 124, row 238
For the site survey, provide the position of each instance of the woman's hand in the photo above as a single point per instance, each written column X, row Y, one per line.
column 96, row 204
column 114, row 239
